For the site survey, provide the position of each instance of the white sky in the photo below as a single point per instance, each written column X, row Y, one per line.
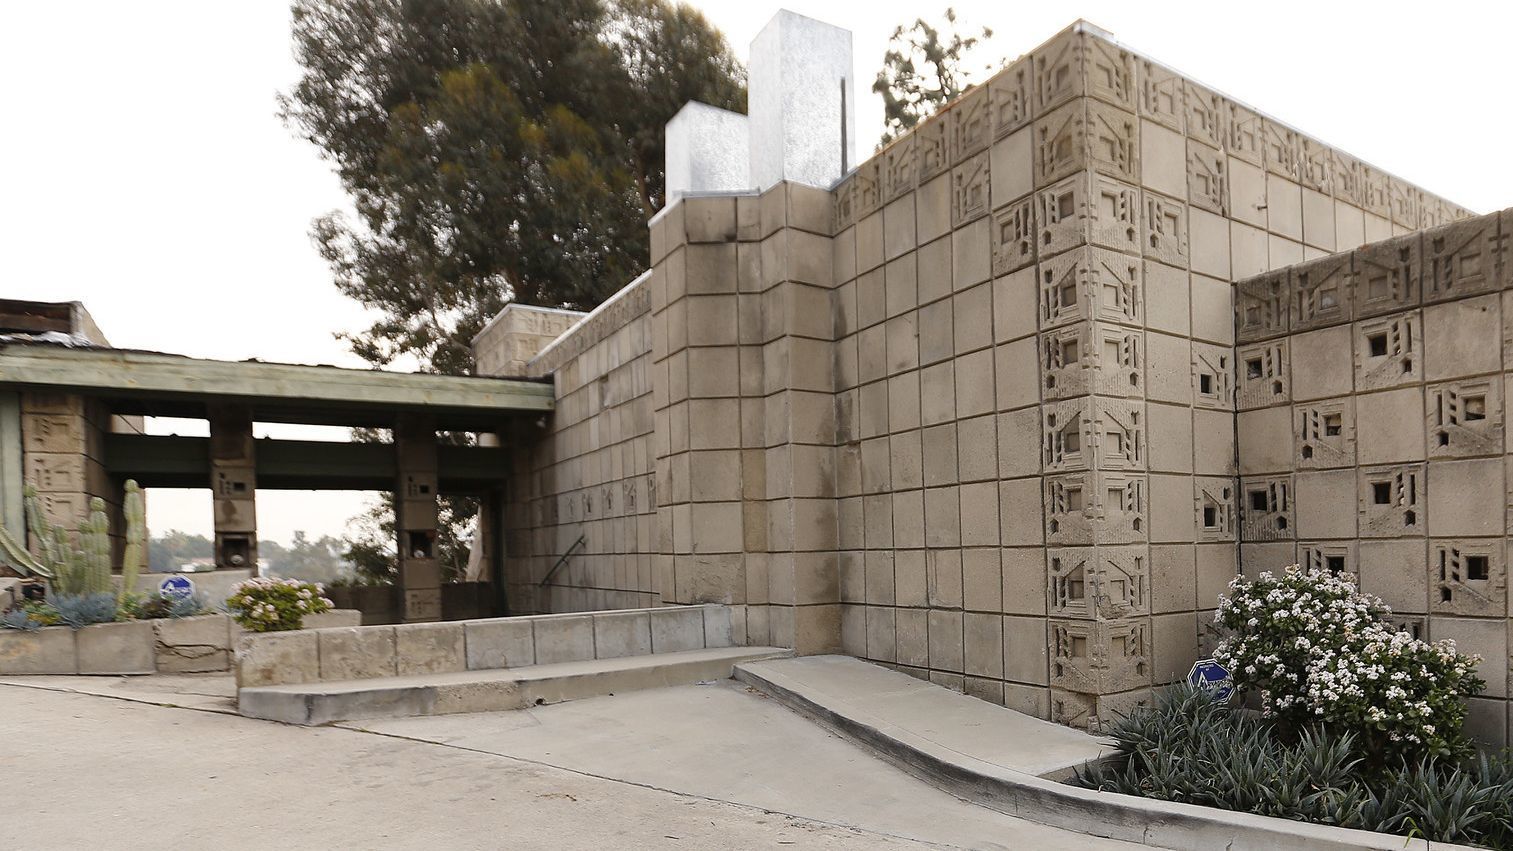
column 149, row 177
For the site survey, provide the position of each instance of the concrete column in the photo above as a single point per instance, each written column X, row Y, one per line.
column 11, row 515
column 801, row 103
column 707, row 151
column 233, row 487
column 415, row 518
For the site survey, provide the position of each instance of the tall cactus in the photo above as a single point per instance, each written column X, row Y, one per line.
column 41, row 534
column 94, row 541
column 84, row 569
column 136, row 538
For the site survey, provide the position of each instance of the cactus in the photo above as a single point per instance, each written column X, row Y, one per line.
column 84, row 569
column 136, row 538
column 37, row 519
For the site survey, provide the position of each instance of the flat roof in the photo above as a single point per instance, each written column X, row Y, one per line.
column 157, row 384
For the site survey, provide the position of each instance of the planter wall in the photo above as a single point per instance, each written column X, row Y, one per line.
column 308, row 656
column 200, row 644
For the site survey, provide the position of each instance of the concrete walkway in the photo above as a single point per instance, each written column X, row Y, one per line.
column 909, row 709
column 698, row 766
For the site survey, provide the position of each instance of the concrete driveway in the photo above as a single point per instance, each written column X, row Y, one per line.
column 695, row 767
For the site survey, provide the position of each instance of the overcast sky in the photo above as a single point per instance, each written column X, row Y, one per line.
column 148, row 175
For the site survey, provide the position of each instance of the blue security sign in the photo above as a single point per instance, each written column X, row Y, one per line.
column 176, row 588
column 1209, row 675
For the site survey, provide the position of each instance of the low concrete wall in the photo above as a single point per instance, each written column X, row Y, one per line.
column 366, row 652
column 198, row 644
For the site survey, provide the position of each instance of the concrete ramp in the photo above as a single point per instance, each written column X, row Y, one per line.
column 916, row 712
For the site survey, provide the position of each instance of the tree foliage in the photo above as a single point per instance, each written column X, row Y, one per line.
column 493, row 150
column 923, row 70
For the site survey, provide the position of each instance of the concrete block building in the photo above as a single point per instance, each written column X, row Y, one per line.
column 1007, row 404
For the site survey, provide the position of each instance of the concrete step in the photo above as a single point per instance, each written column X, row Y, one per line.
column 490, row 690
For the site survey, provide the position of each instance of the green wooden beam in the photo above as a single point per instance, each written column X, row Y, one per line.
column 167, row 461
column 324, row 393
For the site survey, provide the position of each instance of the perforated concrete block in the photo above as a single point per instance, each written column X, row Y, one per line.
column 1461, row 259
column 1267, row 508
column 1263, row 374
column 1389, row 351
column 1265, row 440
column 1214, row 508
column 1458, row 497
column 1322, row 365
column 1386, row 430
column 1393, row 501
column 1394, row 570
column 1325, row 504
column 1089, row 209
column 1324, row 434
column 1464, row 418
column 1460, row 338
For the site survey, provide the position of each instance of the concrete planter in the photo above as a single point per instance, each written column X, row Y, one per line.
column 199, row 644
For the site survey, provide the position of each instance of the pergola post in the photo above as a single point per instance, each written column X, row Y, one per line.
column 415, row 518
column 233, row 486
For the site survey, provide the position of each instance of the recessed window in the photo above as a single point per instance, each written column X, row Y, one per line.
column 1071, row 439
column 1253, row 368
column 1206, row 384
column 1377, row 345
column 1210, row 517
column 1074, row 499
column 1066, row 205
column 1329, row 298
column 1258, row 501
column 1381, row 493
column 1332, row 425
column 1335, row 563
column 1069, row 352
column 1475, row 408
column 1476, row 567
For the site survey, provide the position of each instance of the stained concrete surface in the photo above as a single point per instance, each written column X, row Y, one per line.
column 706, row 766
column 726, row 741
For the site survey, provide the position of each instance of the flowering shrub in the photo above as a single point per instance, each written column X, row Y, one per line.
column 1317, row 649
column 274, row 605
